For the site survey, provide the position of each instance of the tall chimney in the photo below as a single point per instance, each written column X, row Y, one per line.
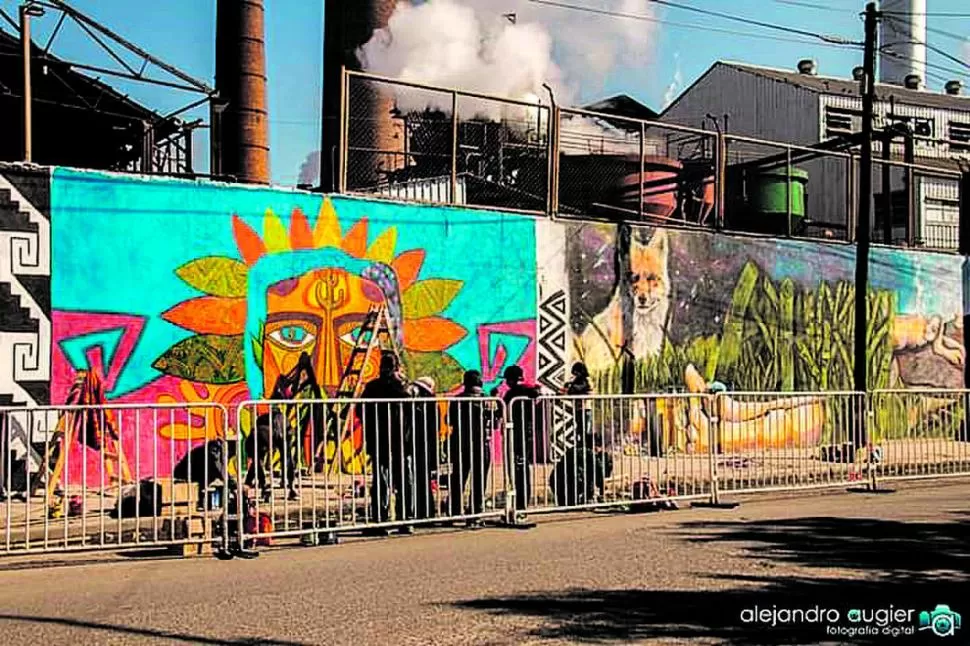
column 347, row 26
column 902, row 39
column 241, row 82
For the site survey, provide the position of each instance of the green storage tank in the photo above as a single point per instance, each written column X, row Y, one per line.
column 768, row 192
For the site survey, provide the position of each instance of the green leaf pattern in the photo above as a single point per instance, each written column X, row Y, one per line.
column 215, row 275
column 205, row 358
column 443, row 368
column 429, row 297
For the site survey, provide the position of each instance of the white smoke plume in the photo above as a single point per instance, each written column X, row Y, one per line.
column 675, row 84
column 474, row 45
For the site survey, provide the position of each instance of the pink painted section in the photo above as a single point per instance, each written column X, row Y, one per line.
column 492, row 366
column 147, row 453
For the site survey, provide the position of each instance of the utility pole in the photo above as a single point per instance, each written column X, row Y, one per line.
column 25, row 13
column 863, row 231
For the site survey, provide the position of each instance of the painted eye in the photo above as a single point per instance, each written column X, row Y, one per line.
column 350, row 338
column 292, row 336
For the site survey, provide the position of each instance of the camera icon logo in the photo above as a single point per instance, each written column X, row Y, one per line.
column 942, row 621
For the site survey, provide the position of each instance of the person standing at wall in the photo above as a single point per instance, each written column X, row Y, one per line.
column 572, row 479
column 426, row 420
column 526, row 417
column 387, row 431
column 472, row 419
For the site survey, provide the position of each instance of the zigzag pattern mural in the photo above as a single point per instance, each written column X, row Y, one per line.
column 553, row 329
column 25, row 286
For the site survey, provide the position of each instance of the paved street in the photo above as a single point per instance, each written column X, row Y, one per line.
column 667, row 577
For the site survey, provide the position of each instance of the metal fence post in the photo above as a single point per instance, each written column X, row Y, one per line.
column 510, row 491
column 643, row 136
column 712, row 441
column 869, row 415
column 721, row 180
column 454, row 148
column 556, row 147
column 344, row 127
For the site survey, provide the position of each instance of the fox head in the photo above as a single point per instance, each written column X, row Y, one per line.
column 648, row 281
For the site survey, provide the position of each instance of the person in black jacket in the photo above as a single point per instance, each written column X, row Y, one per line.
column 470, row 444
column 387, row 431
column 426, row 419
column 572, row 480
column 526, row 417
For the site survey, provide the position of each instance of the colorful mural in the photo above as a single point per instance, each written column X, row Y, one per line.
column 192, row 292
column 196, row 292
column 654, row 310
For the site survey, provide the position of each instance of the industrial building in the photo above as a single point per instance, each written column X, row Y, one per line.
column 806, row 107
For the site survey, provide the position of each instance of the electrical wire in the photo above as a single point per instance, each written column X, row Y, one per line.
column 811, row 5
column 932, row 14
column 757, row 23
column 826, row 41
column 932, row 48
column 943, row 68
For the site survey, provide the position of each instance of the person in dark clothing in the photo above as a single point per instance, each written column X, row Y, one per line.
column 572, row 481
column 425, row 448
column 387, row 431
column 272, row 432
column 526, row 417
column 582, row 472
column 470, row 444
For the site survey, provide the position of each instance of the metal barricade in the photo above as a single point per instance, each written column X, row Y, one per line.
column 600, row 451
column 920, row 433
column 113, row 477
column 789, row 441
column 315, row 468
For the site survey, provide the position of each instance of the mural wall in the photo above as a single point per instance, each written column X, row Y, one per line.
column 752, row 313
column 185, row 292
column 25, row 274
column 197, row 292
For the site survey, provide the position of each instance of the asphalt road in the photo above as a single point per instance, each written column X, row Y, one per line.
column 681, row 576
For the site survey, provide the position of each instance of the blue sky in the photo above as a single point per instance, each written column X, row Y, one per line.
column 181, row 32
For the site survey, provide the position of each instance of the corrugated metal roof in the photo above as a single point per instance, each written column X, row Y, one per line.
column 849, row 87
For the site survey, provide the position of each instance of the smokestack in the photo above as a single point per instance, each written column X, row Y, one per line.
column 241, row 82
column 348, row 25
column 903, row 41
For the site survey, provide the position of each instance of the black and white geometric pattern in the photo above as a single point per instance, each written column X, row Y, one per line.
column 553, row 334
column 25, row 292
column 551, row 368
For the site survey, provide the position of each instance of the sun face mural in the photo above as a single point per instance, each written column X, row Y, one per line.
column 243, row 281
column 305, row 290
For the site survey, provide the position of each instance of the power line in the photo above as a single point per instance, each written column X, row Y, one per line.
column 948, row 34
column 834, row 42
column 812, row 5
column 932, row 14
column 932, row 48
column 757, row 23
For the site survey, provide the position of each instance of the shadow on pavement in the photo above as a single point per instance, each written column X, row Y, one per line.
column 145, row 632
column 879, row 563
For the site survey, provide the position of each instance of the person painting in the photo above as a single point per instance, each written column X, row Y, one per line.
column 424, row 449
column 387, row 431
column 472, row 419
column 526, row 417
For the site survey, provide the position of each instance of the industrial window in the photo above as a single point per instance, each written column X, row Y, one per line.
column 840, row 121
column 959, row 135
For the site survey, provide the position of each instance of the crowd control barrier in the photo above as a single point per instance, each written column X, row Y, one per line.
column 113, row 477
column 192, row 476
column 919, row 433
column 316, row 468
column 601, row 451
column 787, row 441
